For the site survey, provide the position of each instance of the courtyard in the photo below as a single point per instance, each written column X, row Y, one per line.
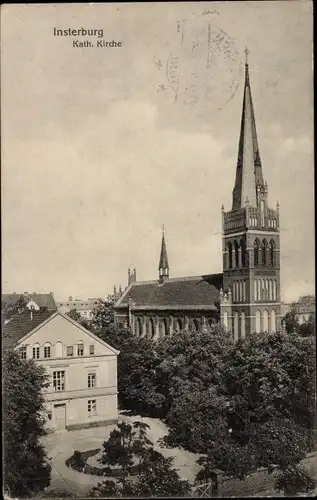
column 62, row 444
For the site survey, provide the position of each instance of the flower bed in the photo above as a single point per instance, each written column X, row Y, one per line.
column 78, row 461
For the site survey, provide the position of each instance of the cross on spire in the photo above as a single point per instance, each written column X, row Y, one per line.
column 246, row 55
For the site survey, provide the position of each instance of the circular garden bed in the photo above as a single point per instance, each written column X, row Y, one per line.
column 88, row 462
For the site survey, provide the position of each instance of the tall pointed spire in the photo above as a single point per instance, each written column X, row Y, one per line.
column 249, row 169
column 163, row 263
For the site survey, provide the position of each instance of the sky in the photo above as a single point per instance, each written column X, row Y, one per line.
column 99, row 150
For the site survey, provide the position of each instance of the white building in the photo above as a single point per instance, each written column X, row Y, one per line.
column 82, row 368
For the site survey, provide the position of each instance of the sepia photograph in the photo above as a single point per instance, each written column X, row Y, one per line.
column 158, row 258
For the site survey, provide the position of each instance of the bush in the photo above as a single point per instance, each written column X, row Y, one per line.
column 293, row 480
column 78, row 459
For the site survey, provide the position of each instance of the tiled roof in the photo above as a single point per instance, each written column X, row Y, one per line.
column 188, row 292
column 41, row 299
column 21, row 324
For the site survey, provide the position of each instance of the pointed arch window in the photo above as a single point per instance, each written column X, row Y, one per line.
column 236, row 326
column 195, row 325
column 270, row 290
column 264, row 252
column 256, row 252
column 138, row 327
column 265, row 321
column 274, row 290
column 225, row 320
column 242, row 325
column 273, row 321
column 259, row 289
column 258, row 321
column 243, row 253
column 151, row 329
column 241, row 291
column 178, row 325
column 272, row 253
column 230, row 254
column 255, row 286
column 236, row 254
column 164, row 327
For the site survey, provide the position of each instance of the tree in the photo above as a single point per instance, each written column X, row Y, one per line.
column 9, row 310
column 117, row 450
column 269, row 381
column 26, row 467
column 126, row 445
column 308, row 328
column 156, row 478
column 294, row 480
column 191, row 362
column 103, row 314
column 75, row 315
column 290, row 321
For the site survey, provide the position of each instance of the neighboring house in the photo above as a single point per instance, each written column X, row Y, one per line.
column 304, row 308
column 82, row 368
column 37, row 299
column 83, row 307
column 245, row 296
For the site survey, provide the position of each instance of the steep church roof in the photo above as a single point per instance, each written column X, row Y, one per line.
column 249, row 168
column 194, row 292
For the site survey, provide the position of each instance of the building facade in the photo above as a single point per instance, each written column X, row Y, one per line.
column 245, row 297
column 82, row 368
column 83, row 307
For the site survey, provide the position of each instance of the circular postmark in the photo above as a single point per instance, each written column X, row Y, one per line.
column 204, row 70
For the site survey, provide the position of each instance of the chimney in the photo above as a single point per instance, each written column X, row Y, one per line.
column 70, row 299
column 129, row 276
column 31, row 311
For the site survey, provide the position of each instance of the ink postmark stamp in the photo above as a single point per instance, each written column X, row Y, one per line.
column 204, row 69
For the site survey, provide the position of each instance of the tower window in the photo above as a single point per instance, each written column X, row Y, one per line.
column 236, row 254
column 264, row 252
column 243, row 253
column 230, row 254
column 272, row 252
column 256, row 252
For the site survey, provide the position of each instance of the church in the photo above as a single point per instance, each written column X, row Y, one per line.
column 245, row 297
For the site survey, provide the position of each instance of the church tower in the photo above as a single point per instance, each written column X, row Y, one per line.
column 250, row 299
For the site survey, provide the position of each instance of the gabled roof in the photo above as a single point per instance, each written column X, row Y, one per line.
column 190, row 292
column 21, row 326
column 41, row 299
